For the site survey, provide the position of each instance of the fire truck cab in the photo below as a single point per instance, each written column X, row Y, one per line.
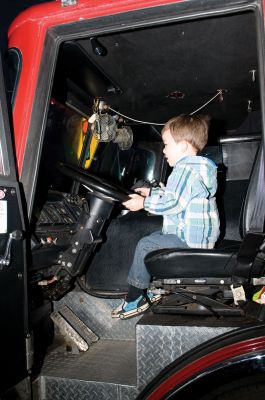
column 86, row 89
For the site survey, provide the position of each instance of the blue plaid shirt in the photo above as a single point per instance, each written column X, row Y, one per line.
column 187, row 203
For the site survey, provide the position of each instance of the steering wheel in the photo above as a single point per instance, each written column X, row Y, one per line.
column 99, row 187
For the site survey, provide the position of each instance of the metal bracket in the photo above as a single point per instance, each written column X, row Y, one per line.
column 259, row 281
column 238, row 294
column 185, row 302
column 29, row 352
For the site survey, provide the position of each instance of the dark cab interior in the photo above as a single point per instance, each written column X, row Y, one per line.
column 134, row 81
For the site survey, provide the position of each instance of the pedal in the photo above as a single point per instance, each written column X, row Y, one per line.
column 72, row 328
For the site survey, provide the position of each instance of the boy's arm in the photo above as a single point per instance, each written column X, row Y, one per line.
column 157, row 191
column 176, row 196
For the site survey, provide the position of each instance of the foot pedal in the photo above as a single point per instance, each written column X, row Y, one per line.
column 73, row 328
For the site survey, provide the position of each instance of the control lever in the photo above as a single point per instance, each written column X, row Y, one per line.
column 6, row 258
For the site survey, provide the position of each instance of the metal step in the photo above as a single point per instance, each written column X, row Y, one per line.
column 95, row 313
column 68, row 332
column 118, row 367
column 106, row 372
column 82, row 329
column 162, row 338
column 73, row 329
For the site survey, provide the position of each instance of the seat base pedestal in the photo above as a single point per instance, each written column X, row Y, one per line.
column 185, row 302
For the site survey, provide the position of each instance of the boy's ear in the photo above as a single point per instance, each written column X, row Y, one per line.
column 184, row 146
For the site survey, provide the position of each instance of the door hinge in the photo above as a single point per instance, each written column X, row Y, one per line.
column 29, row 352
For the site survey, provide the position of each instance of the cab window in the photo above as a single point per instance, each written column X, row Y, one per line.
column 12, row 64
column 124, row 166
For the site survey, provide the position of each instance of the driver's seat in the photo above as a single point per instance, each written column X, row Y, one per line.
column 231, row 261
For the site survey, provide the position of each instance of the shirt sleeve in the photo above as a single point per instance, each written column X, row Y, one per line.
column 176, row 196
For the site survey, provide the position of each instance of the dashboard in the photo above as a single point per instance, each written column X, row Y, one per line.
column 58, row 219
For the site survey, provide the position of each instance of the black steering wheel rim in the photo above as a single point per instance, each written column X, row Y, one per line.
column 99, row 187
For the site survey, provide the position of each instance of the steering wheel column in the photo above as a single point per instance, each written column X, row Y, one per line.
column 103, row 196
column 86, row 237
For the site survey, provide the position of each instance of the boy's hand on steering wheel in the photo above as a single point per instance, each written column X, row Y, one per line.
column 143, row 191
column 135, row 203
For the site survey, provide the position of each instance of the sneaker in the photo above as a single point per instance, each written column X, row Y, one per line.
column 154, row 297
column 142, row 301
column 115, row 313
column 131, row 309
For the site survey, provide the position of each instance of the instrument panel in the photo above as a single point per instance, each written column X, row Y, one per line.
column 59, row 216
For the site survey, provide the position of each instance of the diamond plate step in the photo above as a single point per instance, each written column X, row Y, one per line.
column 162, row 338
column 95, row 312
column 106, row 372
column 72, row 328
column 84, row 331
column 68, row 331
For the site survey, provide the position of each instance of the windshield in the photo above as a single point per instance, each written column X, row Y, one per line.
column 123, row 166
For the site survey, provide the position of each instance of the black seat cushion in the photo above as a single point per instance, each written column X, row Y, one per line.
column 190, row 263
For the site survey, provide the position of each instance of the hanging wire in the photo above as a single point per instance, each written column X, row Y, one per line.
column 134, row 120
column 219, row 93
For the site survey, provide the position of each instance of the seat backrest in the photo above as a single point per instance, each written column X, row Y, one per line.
column 253, row 209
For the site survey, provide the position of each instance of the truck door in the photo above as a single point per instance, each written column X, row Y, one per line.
column 14, row 336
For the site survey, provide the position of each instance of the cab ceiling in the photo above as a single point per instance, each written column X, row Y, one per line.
column 154, row 73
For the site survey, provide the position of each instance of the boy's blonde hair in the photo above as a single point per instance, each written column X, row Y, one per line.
column 192, row 128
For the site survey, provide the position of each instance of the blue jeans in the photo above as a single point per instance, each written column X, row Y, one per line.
column 138, row 274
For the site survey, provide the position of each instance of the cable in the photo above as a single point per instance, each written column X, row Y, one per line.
column 134, row 120
column 219, row 93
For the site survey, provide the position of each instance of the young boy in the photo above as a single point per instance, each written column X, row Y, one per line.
column 187, row 203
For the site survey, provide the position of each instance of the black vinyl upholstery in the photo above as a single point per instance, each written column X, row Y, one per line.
column 252, row 215
column 189, row 263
